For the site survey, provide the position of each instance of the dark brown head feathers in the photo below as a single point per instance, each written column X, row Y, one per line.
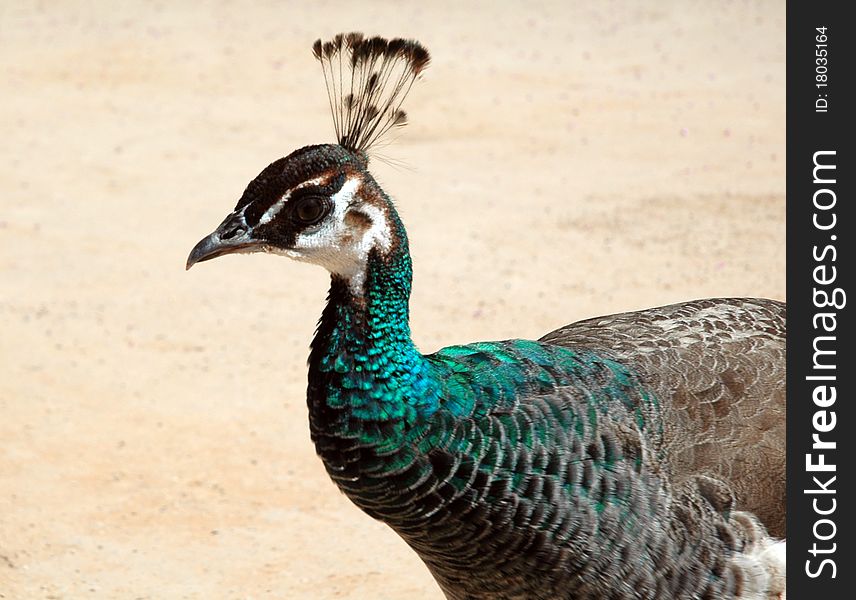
column 367, row 81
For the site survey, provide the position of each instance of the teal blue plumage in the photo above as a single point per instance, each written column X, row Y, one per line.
column 514, row 468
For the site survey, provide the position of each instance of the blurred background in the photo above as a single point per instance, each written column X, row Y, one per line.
column 564, row 160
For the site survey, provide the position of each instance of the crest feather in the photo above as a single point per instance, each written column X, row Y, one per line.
column 367, row 81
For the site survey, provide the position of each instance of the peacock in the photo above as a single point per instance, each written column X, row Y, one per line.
column 632, row 456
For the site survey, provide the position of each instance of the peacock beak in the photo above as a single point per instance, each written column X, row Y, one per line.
column 233, row 235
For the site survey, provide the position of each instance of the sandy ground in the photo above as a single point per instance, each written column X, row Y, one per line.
column 562, row 162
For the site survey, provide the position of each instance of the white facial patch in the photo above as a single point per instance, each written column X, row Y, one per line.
column 341, row 242
column 274, row 209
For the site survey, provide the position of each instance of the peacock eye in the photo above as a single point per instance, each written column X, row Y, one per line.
column 310, row 210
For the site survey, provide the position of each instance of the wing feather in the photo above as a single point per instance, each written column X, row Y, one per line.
column 718, row 367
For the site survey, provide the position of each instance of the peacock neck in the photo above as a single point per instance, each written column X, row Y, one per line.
column 366, row 377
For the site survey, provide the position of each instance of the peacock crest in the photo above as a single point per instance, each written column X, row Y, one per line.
column 367, row 80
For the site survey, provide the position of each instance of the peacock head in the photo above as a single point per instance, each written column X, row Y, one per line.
column 320, row 204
